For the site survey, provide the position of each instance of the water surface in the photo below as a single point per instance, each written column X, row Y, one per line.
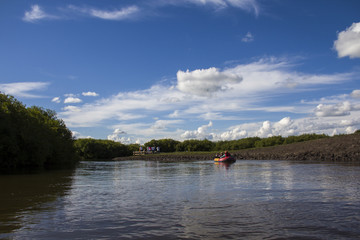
column 186, row 200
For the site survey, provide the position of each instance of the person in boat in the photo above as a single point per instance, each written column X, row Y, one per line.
column 226, row 154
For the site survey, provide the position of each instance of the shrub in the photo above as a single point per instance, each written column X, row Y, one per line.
column 33, row 137
column 92, row 149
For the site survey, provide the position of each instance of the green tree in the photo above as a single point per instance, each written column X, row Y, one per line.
column 92, row 149
column 304, row 137
column 270, row 141
column 166, row 145
column 134, row 147
column 195, row 145
column 236, row 144
column 33, row 137
column 245, row 143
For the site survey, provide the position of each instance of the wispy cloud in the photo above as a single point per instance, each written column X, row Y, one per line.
column 23, row 89
column 56, row 100
column 36, row 13
column 70, row 12
column 124, row 13
column 247, row 5
column 135, row 11
column 248, row 37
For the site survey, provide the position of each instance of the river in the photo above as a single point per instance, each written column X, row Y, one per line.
column 184, row 200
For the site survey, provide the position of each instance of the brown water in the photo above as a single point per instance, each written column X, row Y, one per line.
column 187, row 200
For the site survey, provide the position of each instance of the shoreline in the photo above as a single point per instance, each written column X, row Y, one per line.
column 342, row 148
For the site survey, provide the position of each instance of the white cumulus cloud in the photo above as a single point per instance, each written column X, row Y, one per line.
column 78, row 135
column 350, row 130
column 285, row 127
column 200, row 133
column 340, row 109
column 355, row 93
column 233, row 134
column 90, row 94
column 205, row 82
column 119, row 136
column 265, row 130
column 284, row 124
column 348, row 42
column 72, row 100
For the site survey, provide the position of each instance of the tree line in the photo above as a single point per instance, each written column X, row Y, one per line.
column 170, row 145
column 35, row 137
column 95, row 149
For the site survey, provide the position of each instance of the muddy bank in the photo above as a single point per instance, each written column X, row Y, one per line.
column 344, row 148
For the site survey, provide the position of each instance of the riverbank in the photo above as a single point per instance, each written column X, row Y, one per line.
column 342, row 148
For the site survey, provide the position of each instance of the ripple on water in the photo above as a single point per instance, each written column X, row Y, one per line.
column 193, row 200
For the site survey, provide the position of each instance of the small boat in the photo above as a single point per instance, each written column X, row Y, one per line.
column 224, row 164
column 225, row 159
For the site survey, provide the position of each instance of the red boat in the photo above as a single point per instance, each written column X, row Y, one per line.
column 225, row 159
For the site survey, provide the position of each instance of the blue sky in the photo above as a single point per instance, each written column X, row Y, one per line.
column 132, row 71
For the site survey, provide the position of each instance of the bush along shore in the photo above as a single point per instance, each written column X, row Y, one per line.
column 340, row 148
column 33, row 138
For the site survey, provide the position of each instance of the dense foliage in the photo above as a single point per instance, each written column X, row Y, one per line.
column 166, row 145
column 33, row 137
column 92, row 149
column 169, row 145
column 195, row 145
column 237, row 144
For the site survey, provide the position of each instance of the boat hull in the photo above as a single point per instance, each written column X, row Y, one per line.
column 225, row 159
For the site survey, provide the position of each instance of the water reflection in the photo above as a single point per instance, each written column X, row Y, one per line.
column 188, row 200
column 225, row 165
column 21, row 195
